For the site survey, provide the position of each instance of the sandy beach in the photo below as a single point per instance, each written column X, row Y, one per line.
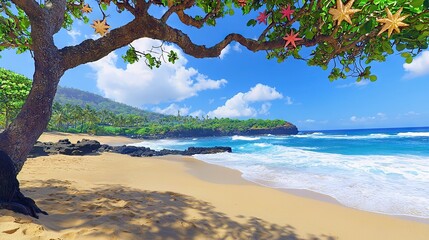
column 112, row 196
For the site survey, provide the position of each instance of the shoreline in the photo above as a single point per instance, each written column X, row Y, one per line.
column 305, row 193
column 123, row 140
column 111, row 196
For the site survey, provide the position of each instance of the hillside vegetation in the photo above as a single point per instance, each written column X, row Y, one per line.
column 78, row 111
column 81, row 98
column 73, row 118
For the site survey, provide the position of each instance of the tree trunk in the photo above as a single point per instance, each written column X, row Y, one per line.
column 19, row 137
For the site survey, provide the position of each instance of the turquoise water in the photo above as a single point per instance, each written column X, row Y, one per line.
column 378, row 170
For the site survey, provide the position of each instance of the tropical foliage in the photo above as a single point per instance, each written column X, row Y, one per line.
column 75, row 119
column 14, row 89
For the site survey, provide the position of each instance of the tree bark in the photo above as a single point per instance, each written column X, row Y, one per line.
column 19, row 137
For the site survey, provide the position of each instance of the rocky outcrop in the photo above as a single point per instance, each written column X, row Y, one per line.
column 283, row 130
column 65, row 147
column 147, row 152
column 86, row 146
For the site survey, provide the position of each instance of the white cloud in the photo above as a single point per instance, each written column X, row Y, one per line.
column 418, row 67
column 289, row 100
column 262, row 92
column 240, row 104
column 224, row 51
column 361, row 83
column 74, row 34
column 378, row 117
column 234, row 107
column 198, row 113
column 172, row 109
column 412, row 113
column 310, row 121
column 265, row 109
column 236, row 47
column 137, row 84
column 92, row 36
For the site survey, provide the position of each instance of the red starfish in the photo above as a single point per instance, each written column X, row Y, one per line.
column 242, row 3
column 262, row 18
column 287, row 12
column 291, row 38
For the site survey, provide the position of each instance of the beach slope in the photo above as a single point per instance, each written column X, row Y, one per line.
column 112, row 196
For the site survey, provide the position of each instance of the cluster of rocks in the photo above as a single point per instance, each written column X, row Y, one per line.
column 86, row 147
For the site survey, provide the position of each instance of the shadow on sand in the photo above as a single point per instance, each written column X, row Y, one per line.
column 115, row 212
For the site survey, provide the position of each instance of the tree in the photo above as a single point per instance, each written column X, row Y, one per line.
column 344, row 37
column 14, row 89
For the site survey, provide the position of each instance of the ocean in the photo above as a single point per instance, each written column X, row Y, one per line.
column 377, row 170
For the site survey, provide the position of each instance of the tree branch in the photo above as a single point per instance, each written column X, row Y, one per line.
column 56, row 14
column 30, row 7
column 185, row 18
column 92, row 50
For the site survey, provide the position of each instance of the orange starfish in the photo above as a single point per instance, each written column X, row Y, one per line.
column 392, row 22
column 101, row 27
column 343, row 12
column 86, row 9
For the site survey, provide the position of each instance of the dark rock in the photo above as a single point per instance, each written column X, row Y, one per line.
column 65, row 147
column 105, row 148
column 206, row 150
column 86, row 146
column 64, row 141
column 38, row 150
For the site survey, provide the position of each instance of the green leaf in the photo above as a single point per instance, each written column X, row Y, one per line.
column 400, row 47
column 373, row 78
column 251, row 22
column 405, row 55
column 417, row 3
column 420, row 26
column 409, row 60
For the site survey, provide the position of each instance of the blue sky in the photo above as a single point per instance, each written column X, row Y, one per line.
column 242, row 84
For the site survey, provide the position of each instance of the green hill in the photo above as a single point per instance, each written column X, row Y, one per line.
column 121, row 119
column 74, row 96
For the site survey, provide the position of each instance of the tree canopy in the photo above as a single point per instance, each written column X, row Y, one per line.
column 345, row 37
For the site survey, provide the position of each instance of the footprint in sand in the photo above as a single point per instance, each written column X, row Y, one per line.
column 11, row 231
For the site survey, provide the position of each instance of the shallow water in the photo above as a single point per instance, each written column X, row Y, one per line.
column 378, row 170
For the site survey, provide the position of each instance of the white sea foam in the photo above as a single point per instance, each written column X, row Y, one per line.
column 378, row 183
column 244, row 138
column 413, row 134
column 343, row 136
column 164, row 144
column 262, row 144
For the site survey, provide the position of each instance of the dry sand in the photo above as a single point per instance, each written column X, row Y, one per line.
column 112, row 196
